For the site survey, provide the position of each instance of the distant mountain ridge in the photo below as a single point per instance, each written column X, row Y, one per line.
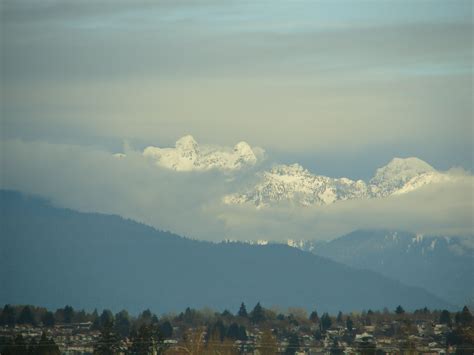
column 52, row 256
column 442, row 265
column 295, row 184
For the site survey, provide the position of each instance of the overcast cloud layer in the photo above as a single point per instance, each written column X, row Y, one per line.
column 339, row 86
column 308, row 78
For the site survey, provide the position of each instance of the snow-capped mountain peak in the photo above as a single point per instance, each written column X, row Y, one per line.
column 393, row 176
column 187, row 144
column 245, row 153
column 188, row 155
column 296, row 185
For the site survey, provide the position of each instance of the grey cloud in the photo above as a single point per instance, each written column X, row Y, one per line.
column 152, row 71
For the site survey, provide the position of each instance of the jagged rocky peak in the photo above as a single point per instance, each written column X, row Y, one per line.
column 295, row 184
column 187, row 143
column 188, row 155
column 245, row 152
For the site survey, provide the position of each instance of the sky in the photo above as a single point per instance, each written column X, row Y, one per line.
column 340, row 87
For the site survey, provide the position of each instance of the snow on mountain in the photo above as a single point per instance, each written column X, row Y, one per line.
column 188, row 155
column 393, row 176
column 418, row 181
column 294, row 184
column 443, row 265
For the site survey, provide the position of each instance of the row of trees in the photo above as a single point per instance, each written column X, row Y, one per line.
column 19, row 346
column 11, row 315
column 124, row 322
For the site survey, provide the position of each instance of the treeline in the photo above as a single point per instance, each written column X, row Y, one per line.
column 124, row 323
column 146, row 333
column 21, row 346
column 12, row 315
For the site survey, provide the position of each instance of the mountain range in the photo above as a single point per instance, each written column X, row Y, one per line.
column 291, row 183
column 52, row 256
column 441, row 265
column 295, row 184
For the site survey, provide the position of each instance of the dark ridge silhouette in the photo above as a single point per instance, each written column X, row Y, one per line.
column 53, row 256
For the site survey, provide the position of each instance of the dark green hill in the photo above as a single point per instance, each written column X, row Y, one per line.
column 52, row 256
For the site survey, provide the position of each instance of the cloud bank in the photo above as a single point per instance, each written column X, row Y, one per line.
column 190, row 203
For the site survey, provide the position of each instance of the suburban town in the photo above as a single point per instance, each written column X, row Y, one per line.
column 33, row 330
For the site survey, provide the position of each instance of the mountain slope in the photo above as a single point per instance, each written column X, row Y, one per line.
column 52, row 256
column 442, row 265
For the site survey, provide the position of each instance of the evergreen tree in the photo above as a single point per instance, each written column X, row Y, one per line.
column 236, row 332
column 95, row 320
column 242, row 333
column 465, row 317
column 293, row 344
column 106, row 318
column 258, row 314
column 339, row 318
column 399, row 310
column 445, row 317
column 166, row 330
column 242, row 311
column 108, row 342
column 326, row 322
column 313, row 317
column 219, row 330
column 95, row 314
column 68, row 314
column 122, row 323
column 189, row 316
column 26, row 316
column 8, row 316
column 349, row 324
column 226, row 313
column 145, row 317
column 233, row 331
column 80, row 316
